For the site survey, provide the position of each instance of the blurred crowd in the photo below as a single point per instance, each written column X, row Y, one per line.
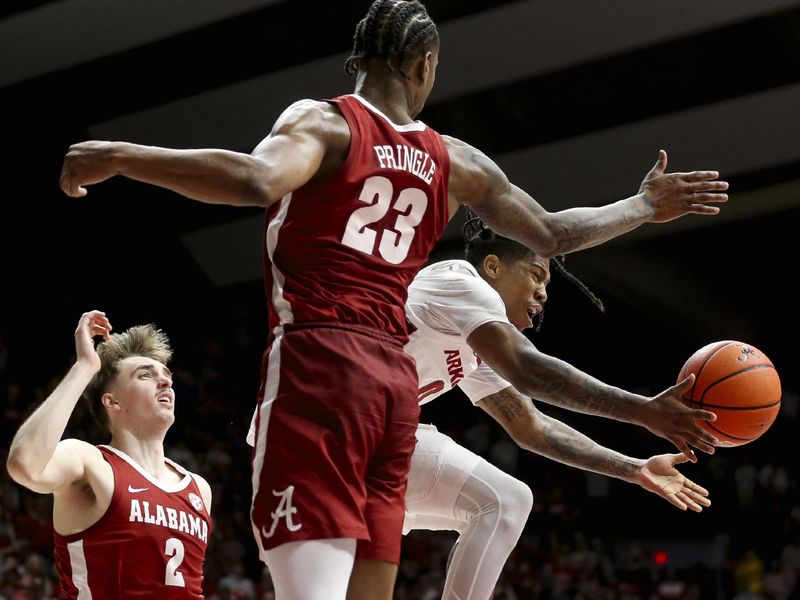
column 588, row 538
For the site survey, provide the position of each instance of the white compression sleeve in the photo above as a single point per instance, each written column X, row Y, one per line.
column 312, row 570
column 495, row 507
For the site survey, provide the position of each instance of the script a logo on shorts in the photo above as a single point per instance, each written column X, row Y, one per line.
column 195, row 501
column 285, row 510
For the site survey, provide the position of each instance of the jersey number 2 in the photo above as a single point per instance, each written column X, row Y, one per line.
column 394, row 243
column 173, row 577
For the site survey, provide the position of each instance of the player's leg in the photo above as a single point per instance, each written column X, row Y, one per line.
column 386, row 479
column 317, row 427
column 452, row 488
column 311, row 570
column 372, row 579
column 496, row 507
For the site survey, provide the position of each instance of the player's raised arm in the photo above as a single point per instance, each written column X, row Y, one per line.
column 556, row 382
column 475, row 180
column 285, row 160
column 38, row 459
column 541, row 434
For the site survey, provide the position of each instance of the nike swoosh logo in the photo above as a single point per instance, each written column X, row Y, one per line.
column 134, row 490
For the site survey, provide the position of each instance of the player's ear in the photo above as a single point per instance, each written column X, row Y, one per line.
column 108, row 401
column 421, row 69
column 428, row 65
column 492, row 265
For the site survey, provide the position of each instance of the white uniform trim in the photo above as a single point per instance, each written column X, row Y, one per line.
column 279, row 302
column 80, row 573
column 260, row 441
column 170, row 488
column 415, row 126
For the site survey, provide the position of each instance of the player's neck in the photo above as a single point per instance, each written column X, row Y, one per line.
column 147, row 452
column 385, row 92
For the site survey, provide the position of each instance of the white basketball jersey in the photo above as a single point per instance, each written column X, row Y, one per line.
column 447, row 301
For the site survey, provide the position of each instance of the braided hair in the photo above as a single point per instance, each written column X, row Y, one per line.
column 396, row 31
column 482, row 241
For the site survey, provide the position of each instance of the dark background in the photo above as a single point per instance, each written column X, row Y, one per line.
column 572, row 98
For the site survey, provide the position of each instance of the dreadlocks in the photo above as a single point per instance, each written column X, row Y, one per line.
column 482, row 241
column 395, row 30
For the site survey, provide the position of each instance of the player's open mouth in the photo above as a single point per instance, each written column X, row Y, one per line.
column 165, row 399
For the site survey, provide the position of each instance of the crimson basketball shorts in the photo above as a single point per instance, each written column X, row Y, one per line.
column 334, row 435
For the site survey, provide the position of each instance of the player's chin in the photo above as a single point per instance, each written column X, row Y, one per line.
column 523, row 323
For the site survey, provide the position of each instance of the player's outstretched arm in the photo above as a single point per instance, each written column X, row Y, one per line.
column 286, row 159
column 475, row 180
column 38, row 459
column 541, row 434
column 556, row 382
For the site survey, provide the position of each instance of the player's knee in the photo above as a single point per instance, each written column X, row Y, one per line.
column 518, row 502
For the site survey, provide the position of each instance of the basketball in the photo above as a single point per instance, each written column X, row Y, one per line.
column 738, row 383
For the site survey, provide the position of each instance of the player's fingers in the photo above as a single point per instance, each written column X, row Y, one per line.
column 702, row 209
column 697, row 489
column 689, row 502
column 699, row 175
column 702, row 415
column 698, row 498
column 703, row 437
column 703, row 446
column 715, row 197
column 661, row 163
column 100, row 329
column 686, row 454
column 684, row 385
column 673, row 499
column 706, row 186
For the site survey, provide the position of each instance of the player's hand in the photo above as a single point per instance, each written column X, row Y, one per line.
column 666, row 416
column 659, row 475
column 92, row 324
column 84, row 164
column 673, row 195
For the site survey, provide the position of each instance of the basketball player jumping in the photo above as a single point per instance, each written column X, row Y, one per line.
column 356, row 193
column 129, row 523
column 462, row 310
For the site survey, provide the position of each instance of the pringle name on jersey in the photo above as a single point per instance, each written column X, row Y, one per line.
column 142, row 512
column 406, row 158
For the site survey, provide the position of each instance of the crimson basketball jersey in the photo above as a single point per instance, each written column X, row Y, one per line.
column 149, row 544
column 345, row 247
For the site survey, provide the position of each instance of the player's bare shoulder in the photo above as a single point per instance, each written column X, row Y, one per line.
column 322, row 121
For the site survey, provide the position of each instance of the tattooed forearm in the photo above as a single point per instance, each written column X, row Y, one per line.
column 580, row 228
column 505, row 406
column 566, row 445
column 556, row 382
column 551, row 438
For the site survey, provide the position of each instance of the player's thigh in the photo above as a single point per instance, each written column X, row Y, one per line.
column 439, row 469
column 387, row 473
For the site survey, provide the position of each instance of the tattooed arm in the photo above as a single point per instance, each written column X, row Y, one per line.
column 541, row 434
column 475, row 180
column 546, row 378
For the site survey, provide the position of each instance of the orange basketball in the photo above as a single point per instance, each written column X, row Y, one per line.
column 739, row 384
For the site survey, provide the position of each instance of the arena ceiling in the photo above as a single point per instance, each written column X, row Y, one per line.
column 573, row 98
